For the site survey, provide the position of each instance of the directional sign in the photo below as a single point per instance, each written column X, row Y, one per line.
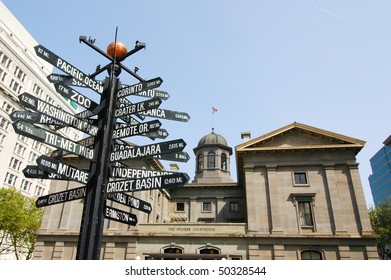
column 45, row 108
column 61, row 197
column 130, row 201
column 138, row 107
column 34, row 117
column 132, row 130
column 87, row 142
column 68, row 80
column 179, row 157
column 148, row 150
column 140, row 87
column 52, row 139
column 68, row 68
column 77, row 97
column 34, row 172
column 167, row 114
column 135, row 173
column 120, row 216
column 55, row 166
column 175, row 180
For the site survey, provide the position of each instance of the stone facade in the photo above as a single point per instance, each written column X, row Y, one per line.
column 298, row 196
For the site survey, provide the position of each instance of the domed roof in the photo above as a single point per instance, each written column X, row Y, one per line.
column 212, row 139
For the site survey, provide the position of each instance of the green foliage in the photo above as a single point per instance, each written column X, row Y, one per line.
column 19, row 221
column 381, row 223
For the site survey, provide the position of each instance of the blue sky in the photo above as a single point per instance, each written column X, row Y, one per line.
column 262, row 64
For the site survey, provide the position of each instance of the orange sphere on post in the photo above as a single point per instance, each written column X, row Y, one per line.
column 119, row 48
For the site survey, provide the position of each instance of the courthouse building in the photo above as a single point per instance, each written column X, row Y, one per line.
column 298, row 195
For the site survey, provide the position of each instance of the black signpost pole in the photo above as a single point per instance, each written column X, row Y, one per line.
column 91, row 229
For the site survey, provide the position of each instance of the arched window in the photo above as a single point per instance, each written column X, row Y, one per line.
column 311, row 255
column 223, row 162
column 211, row 160
column 199, row 162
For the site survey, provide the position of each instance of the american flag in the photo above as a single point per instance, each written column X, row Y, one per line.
column 214, row 110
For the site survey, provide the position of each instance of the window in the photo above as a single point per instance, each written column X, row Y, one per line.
column 7, row 107
column 234, row 206
column 5, row 61
column 2, row 137
column 211, row 160
column 300, row 178
column 19, row 73
column 206, row 207
column 305, row 213
column 199, row 163
column 15, row 164
column 213, row 251
column 223, row 162
column 10, row 179
column 311, row 255
column 19, row 149
column 4, row 123
column 180, row 207
column 25, row 185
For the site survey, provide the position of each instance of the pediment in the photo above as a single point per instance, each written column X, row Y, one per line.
column 300, row 136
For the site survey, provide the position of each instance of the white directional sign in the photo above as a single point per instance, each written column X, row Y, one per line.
column 45, row 108
column 68, row 68
column 52, row 139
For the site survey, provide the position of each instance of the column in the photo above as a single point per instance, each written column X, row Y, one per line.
column 219, row 209
column 335, row 203
column 58, row 250
column 193, row 209
column 275, row 208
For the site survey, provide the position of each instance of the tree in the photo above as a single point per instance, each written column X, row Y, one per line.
column 381, row 223
column 19, row 221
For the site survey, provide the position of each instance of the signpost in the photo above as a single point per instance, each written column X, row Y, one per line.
column 104, row 148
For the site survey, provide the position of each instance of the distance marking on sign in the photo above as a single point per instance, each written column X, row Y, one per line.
column 120, row 216
column 179, row 157
column 34, row 172
column 52, row 139
column 60, row 197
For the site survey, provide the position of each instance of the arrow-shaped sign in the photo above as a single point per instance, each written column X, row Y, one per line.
column 120, row 216
column 68, row 68
column 135, row 173
column 137, row 107
column 132, row 130
column 77, row 97
column 124, row 153
column 60, row 197
column 52, row 139
column 167, row 114
column 34, row 117
column 68, row 80
column 175, row 180
column 45, row 108
column 55, row 166
column 34, row 172
column 130, row 201
column 140, row 87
